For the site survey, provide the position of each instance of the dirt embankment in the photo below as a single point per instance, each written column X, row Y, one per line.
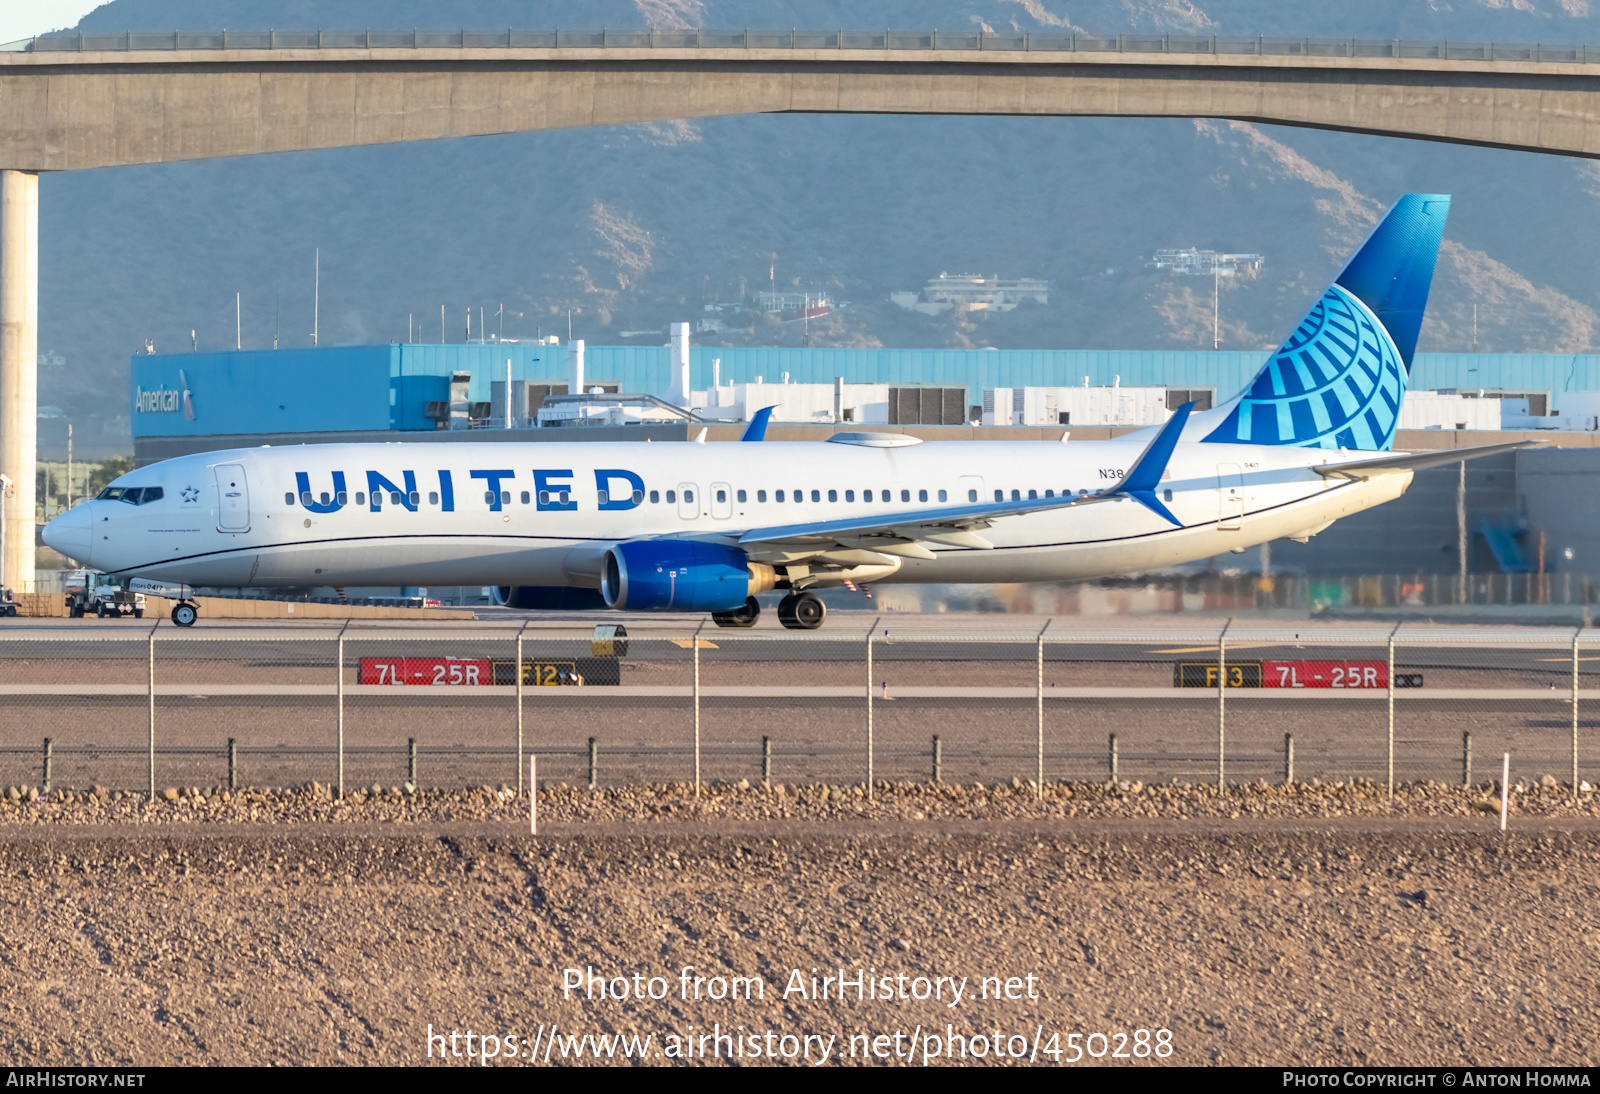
column 300, row 931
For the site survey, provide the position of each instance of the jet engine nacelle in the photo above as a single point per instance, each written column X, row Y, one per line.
column 660, row 575
column 550, row 598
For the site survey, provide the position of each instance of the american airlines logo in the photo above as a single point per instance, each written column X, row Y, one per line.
column 160, row 401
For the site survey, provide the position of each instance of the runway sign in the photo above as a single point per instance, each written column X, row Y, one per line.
column 1342, row 675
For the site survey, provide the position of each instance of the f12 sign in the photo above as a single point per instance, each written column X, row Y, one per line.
column 427, row 671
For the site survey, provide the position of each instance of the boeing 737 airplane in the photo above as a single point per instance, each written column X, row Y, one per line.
column 703, row 528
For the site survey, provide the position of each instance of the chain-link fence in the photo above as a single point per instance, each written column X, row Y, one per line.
column 867, row 701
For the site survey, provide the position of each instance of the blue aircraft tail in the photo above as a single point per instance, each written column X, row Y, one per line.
column 1339, row 379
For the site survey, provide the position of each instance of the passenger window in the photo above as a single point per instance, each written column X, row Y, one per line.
column 566, row 497
column 740, row 497
column 655, row 497
column 527, row 497
column 849, row 495
column 415, row 497
column 922, row 495
column 1049, row 493
column 672, row 496
column 343, row 497
column 777, row 495
column 972, row 495
column 324, row 498
column 433, row 497
column 833, row 495
column 288, row 499
column 488, row 497
column 361, row 497
column 816, row 495
column 505, row 497
column 1167, row 493
column 722, row 496
column 905, row 495
column 638, row 496
column 1032, row 494
column 394, row 497
column 866, row 495
column 761, row 495
column 688, row 497
column 999, row 495
column 305, row 498
column 943, row 496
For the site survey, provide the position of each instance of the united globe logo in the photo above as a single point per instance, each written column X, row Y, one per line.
column 1336, row 383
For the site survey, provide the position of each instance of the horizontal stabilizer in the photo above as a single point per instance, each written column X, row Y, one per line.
column 1414, row 461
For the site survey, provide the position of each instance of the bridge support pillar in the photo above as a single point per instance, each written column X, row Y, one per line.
column 19, row 367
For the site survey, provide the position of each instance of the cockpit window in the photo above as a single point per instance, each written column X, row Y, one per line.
column 133, row 495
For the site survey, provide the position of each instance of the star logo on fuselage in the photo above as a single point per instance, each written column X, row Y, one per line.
column 191, row 494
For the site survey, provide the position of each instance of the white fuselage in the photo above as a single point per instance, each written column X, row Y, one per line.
column 521, row 513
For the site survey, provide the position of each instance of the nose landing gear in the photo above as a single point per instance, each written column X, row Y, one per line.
column 801, row 613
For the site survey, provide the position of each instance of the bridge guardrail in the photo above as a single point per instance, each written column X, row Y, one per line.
column 841, row 39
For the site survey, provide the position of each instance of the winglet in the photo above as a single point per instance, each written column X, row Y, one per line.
column 757, row 429
column 1145, row 475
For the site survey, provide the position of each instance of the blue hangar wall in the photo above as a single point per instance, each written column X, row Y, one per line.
column 387, row 387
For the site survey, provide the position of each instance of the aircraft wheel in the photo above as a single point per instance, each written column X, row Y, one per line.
column 801, row 613
column 739, row 617
column 184, row 615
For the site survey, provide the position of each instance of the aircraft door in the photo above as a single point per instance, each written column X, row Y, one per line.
column 233, row 498
column 688, row 501
column 1230, row 493
column 721, row 500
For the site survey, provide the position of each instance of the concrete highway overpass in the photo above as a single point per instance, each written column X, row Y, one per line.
column 75, row 102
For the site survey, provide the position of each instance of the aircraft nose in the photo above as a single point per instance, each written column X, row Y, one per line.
column 72, row 534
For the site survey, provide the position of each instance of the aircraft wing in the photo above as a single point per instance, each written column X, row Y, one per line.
column 952, row 525
column 1415, row 461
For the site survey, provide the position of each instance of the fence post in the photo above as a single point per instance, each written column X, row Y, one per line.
column 1038, row 788
column 411, row 761
column 338, row 672
column 1466, row 758
column 152, row 693
column 938, row 760
column 519, row 703
column 766, row 761
column 233, row 764
column 1391, row 710
column 1111, row 757
column 1288, row 759
column 869, row 707
column 695, row 642
column 594, row 764
column 47, row 765
column 1575, row 636
column 1222, row 706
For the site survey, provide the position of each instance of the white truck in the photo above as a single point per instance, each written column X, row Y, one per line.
column 90, row 592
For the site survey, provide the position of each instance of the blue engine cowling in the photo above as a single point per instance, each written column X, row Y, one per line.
column 548, row 598
column 660, row 575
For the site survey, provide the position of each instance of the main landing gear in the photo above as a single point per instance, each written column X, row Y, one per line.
column 739, row 617
column 801, row 613
column 184, row 614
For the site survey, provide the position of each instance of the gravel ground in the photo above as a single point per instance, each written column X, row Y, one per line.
column 1308, row 925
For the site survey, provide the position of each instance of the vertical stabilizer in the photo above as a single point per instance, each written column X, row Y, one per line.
column 1339, row 379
